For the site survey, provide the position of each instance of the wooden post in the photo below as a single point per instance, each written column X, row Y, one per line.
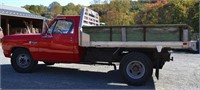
column 31, row 27
column 7, row 27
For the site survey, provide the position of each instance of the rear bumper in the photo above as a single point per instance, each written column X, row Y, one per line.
column 193, row 45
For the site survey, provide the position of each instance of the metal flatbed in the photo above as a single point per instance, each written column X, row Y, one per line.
column 138, row 36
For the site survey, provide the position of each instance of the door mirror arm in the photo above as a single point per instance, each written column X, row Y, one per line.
column 48, row 35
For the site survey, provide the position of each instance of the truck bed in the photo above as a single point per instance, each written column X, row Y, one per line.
column 138, row 36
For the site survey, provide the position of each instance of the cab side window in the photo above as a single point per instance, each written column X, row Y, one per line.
column 50, row 30
column 63, row 27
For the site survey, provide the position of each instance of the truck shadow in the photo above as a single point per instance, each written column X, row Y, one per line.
column 65, row 78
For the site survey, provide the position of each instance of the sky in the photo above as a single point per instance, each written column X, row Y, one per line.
column 19, row 3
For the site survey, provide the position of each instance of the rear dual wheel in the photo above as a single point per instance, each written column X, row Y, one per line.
column 136, row 68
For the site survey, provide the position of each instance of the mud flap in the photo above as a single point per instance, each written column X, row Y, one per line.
column 159, row 49
column 157, row 66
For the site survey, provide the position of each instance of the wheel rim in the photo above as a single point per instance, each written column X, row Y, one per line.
column 135, row 69
column 23, row 61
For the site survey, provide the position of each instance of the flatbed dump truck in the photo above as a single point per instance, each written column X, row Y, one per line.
column 80, row 39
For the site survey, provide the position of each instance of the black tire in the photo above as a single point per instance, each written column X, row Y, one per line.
column 136, row 68
column 49, row 63
column 22, row 61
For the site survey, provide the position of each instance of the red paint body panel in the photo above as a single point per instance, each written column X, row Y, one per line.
column 12, row 41
column 61, row 48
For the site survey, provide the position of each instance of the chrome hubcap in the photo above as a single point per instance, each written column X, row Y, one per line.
column 135, row 69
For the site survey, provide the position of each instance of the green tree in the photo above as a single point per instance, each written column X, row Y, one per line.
column 101, row 9
column 36, row 9
column 136, row 6
column 55, row 8
column 118, row 13
column 193, row 17
column 71, row 9
column 173, row 12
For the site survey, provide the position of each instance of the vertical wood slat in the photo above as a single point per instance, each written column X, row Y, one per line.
column 7, row 27
column 31, row 27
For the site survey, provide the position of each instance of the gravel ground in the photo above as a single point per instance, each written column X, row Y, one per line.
column 181, row 74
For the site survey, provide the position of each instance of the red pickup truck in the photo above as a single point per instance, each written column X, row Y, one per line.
column 138, row 48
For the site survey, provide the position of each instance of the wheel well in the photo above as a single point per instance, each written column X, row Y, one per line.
column 147, row 52
column 152, row 54
column 15, row 48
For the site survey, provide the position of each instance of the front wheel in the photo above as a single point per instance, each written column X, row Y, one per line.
column 22, row 61
column 136, row 68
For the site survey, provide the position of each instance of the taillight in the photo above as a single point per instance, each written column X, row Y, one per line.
column 185, row 43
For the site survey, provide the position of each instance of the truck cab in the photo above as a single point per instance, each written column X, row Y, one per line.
column 59, row 43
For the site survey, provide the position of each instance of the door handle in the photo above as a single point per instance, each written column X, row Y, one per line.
column 48, row 36
column 32, row 42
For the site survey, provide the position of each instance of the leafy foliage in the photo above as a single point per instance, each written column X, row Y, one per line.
column 71, row 9
column 36, row 9
column 128, row 12
column 55, row 8
column 193, row 16
column 170, row 12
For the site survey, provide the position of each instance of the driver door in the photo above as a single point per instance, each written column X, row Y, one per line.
column 57, row 44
